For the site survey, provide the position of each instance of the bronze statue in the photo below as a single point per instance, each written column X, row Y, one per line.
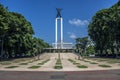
column 58, row 12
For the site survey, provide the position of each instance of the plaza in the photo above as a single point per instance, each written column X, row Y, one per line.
column 79, row 43
column 91, row 63
column 70, row 71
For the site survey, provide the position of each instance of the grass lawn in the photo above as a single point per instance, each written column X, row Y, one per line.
column 76, row 63
column 85, row 61
column 58, row 67
column 34, row 67
column 82, row 66
column 40, row 63
column 23, row 64
column 105, row 66
column 71, row 60
column 93, row 63
column 12, row 67
column 58, row 64
column 43, row 62
column 114, row 61
column 108, row 60
column 5, row 63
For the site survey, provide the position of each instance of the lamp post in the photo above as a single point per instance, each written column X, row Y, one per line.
column 79, row 50
column 59, row 54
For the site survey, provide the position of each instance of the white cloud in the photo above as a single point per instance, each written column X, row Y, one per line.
column 78, row 22
column 72, row 35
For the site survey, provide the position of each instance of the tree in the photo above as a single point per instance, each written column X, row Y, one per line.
column 3, row 27
column 16, row 36
column 81, row 45
column 104, row 29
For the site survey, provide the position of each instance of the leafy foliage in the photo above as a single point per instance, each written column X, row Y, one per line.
column 104, row 30
column 16, row 36
column 81, row 45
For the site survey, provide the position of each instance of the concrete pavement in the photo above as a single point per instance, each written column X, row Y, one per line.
column 64, row 75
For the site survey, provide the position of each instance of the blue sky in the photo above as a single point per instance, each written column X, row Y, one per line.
column 41, row 13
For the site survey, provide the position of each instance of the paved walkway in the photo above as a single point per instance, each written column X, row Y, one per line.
column 64, row 75
column 67, row 65
column 69, row 71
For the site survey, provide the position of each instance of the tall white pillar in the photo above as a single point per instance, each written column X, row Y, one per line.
column 56, row 34
column 61, row 19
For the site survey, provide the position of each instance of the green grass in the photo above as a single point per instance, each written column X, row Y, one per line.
column 11, row 67
column 58, row 67
column 58, row 61
column 93, row 63
column 46, row 60
column 85, row 61
column 82, row 66
column 105, row 66
column 30, row 61
column 36, row 60
column 34, row 67
column 108, row 60
column 102, row 60
column 5, row 63
column 23, row 64
column 58, row 64
column 76, row 63
column 71, row 60
column 114, row 61
column 111, row 62
column 99, row 59
column 42, row 63
column 16, row 61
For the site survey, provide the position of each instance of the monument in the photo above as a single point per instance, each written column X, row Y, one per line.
column 58, row 19
column 61, row 44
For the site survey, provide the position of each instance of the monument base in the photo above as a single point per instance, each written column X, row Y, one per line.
column 62, row 45
column 65, row 48
column 53, row 50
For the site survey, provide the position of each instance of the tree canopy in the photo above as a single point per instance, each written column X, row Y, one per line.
column 16, row 36
column 104, row 30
